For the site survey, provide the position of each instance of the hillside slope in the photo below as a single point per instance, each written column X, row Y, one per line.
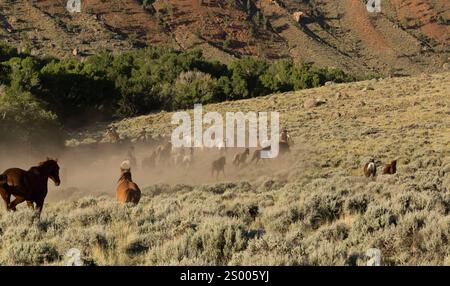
column 397, row 118
column 408, row 37
column 393, row 108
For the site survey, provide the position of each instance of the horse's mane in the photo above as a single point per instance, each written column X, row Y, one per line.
column 47, row 162
column 126, row 175
column 35, row 170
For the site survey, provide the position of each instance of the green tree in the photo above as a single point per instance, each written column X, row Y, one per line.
column 245, row 77
column 24, row 73
column 7, row 52
column 304, row 76
column 73, row 88
column 25, row 119
column 278, row 77
column 194, row 87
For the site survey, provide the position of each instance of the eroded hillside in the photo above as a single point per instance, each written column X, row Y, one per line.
column 407, row 37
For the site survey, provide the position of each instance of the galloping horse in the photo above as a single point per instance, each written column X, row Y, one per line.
column 283, row 148
column 127, row 191
column 30, row 186
column 218, row 166
column 240, row 158
column 390, row 168
column 257, row 154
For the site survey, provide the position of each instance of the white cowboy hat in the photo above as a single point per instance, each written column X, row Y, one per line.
column 126, row 165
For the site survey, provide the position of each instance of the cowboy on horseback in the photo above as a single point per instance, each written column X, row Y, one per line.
column 285, row 137
column 142, row 137
column 113, row 135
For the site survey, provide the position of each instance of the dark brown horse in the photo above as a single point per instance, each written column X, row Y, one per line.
column 218, row 166
column 390, row 168
column 30, row 186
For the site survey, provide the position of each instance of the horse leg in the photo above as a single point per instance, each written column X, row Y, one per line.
column 39, row 206
column 7, row 202
column 6, row 198
column 30, row 205
column 13, row 204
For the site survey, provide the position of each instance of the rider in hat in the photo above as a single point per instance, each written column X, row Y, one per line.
column 285, row 137
column 112, row 134
column 142, row 135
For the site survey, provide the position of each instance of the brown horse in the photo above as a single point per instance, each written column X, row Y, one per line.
column 370, row 169
column 257, row 154
column 390, row 168
column 218, row 166
column 283, row 148
column 127, row 191
column 240, row 158
column 30, row 186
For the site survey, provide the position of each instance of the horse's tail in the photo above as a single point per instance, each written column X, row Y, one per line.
column 3, row 179
column 133, row 195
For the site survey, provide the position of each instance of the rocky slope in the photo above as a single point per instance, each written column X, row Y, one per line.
column 407, row 37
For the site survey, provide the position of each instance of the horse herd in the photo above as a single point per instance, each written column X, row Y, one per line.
column 165, row 154
column 32, row 185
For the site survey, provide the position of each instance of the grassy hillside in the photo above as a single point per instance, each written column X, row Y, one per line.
column 313, row 207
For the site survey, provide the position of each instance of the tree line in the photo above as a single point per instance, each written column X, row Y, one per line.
column 72, row 92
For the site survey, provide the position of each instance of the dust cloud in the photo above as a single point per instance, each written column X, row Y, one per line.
column 93, row 169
